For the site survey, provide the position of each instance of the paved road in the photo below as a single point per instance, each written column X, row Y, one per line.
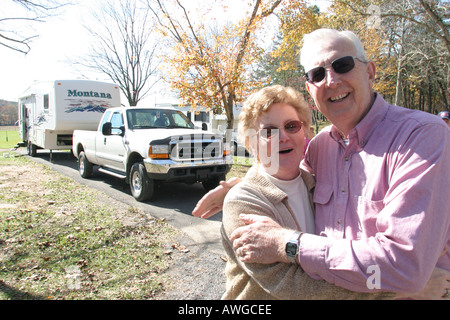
column 202, row 270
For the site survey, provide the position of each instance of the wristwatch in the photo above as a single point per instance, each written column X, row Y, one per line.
column 292, row 246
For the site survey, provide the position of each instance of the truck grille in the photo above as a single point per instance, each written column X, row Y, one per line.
column 196, row 147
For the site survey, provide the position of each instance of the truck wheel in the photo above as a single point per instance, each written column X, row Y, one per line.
column 84, row 166
column 31, row 149
column 212, row 183
column 142, row 188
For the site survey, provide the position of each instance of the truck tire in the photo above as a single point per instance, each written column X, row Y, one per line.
column 212, row 183
column 142, row 187
column 85, row 168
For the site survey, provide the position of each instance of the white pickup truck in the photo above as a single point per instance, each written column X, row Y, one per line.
column 147, row 145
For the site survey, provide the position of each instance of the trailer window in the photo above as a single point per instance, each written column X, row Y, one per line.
column 201, row 116
column 45, row 101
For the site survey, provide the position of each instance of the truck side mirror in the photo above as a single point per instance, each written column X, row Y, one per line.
column 122, row 131
column 106, row 128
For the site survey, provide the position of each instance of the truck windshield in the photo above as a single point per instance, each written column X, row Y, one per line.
column 157, row 118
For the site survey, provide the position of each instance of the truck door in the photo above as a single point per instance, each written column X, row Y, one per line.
column 112, row 148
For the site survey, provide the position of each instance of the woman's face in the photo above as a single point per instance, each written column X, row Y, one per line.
column 281, row 151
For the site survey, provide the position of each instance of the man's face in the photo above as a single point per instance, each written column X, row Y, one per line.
column 343, row 98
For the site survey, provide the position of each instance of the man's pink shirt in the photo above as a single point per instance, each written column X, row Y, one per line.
column 382, row 201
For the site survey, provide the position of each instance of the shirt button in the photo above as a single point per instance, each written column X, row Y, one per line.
column 339, row 222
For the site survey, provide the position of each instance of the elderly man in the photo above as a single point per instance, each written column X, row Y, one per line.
column 382, row 218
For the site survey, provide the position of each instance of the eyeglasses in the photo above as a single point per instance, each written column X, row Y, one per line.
column 341, row 65
column 290, row 127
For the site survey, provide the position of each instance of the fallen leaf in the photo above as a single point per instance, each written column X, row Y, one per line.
column 180, row 247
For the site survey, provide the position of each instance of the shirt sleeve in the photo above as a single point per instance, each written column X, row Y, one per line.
column 412, row 227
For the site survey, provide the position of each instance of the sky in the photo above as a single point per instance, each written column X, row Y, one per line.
column 61, row 38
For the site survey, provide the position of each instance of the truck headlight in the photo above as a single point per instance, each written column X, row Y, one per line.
column 158, row 152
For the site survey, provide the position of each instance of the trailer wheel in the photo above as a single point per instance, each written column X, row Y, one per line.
column 31, row 149
column 142, row 187
column 84, row 166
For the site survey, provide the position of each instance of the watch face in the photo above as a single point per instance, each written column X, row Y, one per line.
column 291, row 249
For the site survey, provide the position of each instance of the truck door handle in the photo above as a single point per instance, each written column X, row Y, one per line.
column 104, row 141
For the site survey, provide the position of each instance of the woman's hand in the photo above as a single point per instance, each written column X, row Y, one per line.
column 212, row 202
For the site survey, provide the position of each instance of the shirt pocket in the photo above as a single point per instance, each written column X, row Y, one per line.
column 322, row 201
column 322, row 195
column 367, row 212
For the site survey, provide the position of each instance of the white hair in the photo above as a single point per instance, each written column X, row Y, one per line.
column 310, row 41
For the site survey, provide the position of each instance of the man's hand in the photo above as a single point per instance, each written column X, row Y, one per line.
column 261, row 240
column 212, row 202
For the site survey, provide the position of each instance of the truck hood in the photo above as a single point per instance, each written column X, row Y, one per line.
column 158, row 134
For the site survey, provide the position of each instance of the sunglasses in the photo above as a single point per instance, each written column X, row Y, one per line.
column 290, row 127
column 341, row 65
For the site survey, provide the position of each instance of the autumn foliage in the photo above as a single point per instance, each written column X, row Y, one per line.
column 214, row 66
column 211, row 69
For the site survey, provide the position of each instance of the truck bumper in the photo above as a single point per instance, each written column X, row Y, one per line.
column 188, row 171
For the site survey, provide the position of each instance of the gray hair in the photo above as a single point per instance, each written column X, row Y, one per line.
column 310, row 41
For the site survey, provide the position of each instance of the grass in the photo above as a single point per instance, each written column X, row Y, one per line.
column 62, row 240
column 9, row 137
column 240, row 167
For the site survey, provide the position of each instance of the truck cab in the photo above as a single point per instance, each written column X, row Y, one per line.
column 147, row 145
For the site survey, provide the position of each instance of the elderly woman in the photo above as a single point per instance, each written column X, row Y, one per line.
column 272, row 126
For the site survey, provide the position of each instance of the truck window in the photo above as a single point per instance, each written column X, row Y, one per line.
column 105, row 118
column 116, row 122
column 180, row 120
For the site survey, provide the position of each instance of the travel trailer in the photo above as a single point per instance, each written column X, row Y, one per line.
column 50, row 111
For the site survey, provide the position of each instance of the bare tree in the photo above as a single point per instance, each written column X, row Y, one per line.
column 124, row 49
column 417, row 46
column 15, row 27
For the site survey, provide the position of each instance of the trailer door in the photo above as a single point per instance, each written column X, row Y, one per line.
column 23, row 124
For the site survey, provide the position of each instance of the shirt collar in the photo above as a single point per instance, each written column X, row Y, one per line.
column 367, row 125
